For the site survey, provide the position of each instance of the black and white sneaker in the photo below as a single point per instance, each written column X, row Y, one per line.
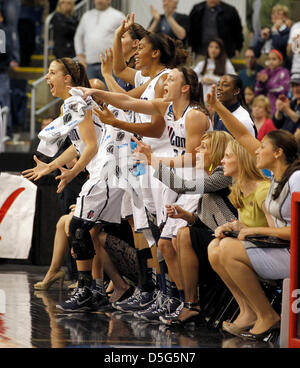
column 81, row 301
column 133, row 297
column 172, row 308
column 99, row 301
column 154, row 310
column 139, row 301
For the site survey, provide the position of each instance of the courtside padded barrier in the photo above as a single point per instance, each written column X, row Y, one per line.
column 294, row 317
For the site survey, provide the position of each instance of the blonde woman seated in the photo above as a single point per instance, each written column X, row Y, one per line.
column 214, row 209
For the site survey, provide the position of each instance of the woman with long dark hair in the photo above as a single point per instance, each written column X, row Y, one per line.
column 215, row 64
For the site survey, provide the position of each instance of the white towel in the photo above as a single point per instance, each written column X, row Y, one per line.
column 54, row 134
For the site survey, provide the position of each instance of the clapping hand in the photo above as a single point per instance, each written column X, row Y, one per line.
column 85, row 91
column 175, row 211
column 38, row 171
column 143, row 152
column 107, row 62
column 65, row 177
column 126, row 24
column 155, row 13
column 262, row 77
column 211, row 97
column 105, row 115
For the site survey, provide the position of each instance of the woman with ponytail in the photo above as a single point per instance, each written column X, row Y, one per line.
column 95, row 201
column 239, row 262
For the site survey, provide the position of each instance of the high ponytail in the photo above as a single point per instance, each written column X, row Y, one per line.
column 172, row 53
column 76, row 71
column 196, row 88
column 181, row 54
column 83, row 78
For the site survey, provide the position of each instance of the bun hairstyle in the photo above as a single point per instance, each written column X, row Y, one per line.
column 196, row 88
column 287, row 142
column 172, row 53
column 137, row 32
column 76, row 71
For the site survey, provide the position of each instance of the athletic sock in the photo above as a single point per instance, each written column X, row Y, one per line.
column 173, row 291
column 181, row 295
column 85, row 279
column 162, row 283
column 100, row 286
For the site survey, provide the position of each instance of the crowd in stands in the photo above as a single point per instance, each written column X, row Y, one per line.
column 165, row 246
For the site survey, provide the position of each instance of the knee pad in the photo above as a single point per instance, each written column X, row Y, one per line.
column 81, row 240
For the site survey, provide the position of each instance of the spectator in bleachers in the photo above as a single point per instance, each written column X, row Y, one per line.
column 10, row 10
column 214, row 18
column 94, row 34
column 259, row 14
column 248, row 74
column 261, row 114
column 253, row 17
column 64, row 28
column 215, row 64
column 273, row 80
column 293, row 48
column 30, row 26
column 249, row 96
column 52, row 5
column 175, row 25
column 275, row 37
column 287, row 114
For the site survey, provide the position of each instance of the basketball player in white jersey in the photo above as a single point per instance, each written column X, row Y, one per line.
column 96, row 198
column 186, row 119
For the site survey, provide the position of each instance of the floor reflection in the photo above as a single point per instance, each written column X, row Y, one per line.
column 237, row 342
column 32, row 320
column 15, row 323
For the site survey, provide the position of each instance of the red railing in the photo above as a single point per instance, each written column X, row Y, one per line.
column 294, row 315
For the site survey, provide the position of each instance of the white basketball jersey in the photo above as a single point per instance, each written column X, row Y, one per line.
column 139, row 80
column 159, row 145
column 177, row 136
column 115, row 142
column 74, row 135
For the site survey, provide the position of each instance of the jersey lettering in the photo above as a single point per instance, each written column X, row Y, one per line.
column 175, row 140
